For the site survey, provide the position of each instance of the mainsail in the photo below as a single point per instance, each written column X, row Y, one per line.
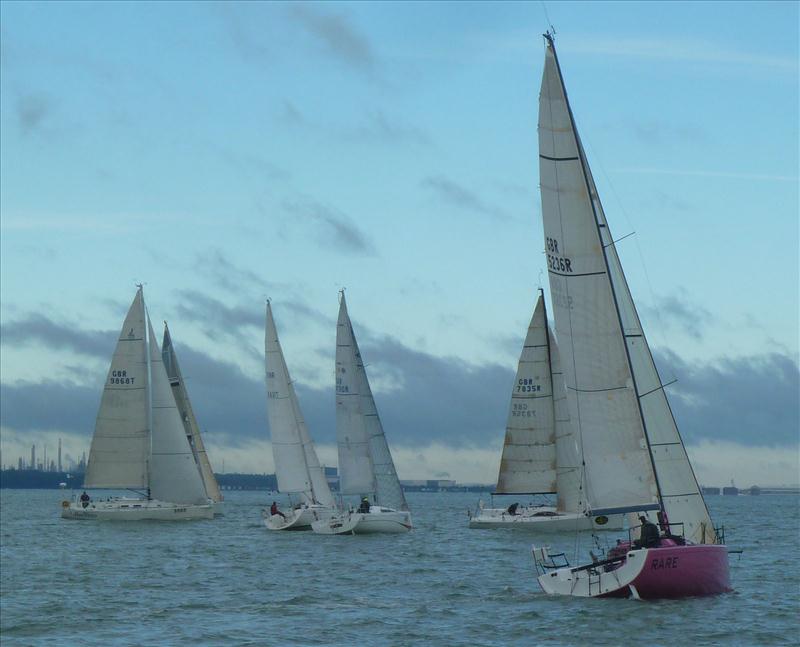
column 365, row 462
column 120, row 450
column 296, row 464
column 633, row 454
column 186, row 411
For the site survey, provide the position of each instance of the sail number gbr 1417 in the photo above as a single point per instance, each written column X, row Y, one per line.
column 555, row 261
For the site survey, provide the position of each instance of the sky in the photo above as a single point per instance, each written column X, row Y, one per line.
column 223, row 153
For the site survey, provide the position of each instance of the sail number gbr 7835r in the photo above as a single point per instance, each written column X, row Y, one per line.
column 555, row 261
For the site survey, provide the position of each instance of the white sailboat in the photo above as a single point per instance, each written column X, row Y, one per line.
column 366, row 467
column 139, row 441
column 296, row 464
column 540, row 452
column 634, row 460
column 191, row 428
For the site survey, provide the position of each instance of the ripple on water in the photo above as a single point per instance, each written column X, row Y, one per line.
column 232, row 582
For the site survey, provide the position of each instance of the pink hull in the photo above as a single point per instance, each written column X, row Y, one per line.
column 681, row 571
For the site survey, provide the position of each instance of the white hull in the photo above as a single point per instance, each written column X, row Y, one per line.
column 298, row 519
column 219, row 508
column 122, row 509
column 543, row 519
column 377, row 521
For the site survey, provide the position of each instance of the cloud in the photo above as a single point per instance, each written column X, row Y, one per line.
column 459, row 196
column 219, row 321
column 424, row 400
column 242, row 30
column 36, row 329
column 336, row 34
column 677, row 311
column 291, row 114
column 747, row 400
column 215, row 265
column 379, row 127
column 32, row 112
column 333, row 229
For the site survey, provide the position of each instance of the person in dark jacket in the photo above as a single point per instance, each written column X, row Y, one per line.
column 85, row 498
column 649, row 536
column 364, row 507
column 273, row 510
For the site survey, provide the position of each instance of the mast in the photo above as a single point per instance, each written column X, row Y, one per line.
column 149, row 390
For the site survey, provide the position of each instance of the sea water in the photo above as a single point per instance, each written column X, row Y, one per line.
column 232, row 582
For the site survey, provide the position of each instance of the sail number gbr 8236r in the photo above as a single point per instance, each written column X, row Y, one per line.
column 555, row 261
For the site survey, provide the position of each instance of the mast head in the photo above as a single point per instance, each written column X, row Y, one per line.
column 550, row 36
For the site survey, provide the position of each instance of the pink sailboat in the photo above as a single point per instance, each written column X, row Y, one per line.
column 634, row 460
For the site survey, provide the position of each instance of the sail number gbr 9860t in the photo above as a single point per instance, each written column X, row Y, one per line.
column 555, row 261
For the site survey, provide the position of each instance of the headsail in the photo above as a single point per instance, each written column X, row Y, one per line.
column 186, row 411
column 388, row 491
column 118, row 457
column 528, row 462
column 296, row 464
column 615, row 394
column 174, row 476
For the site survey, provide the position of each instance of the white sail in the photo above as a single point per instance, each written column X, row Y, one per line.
column 569, row 472
column 601, row 392
column 186, row 412
column 120, row 447
column 296, row 464
column 174, row 476
column 614, row 391
column 355, row 461
column 528, row 462
column 388, row 491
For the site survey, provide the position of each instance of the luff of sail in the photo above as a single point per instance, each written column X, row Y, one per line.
column 296, row 464
column 601, row 393
column 186, row 412
column 119, row 453
column 174, row 476
column 528, row 461
column 388, row 491
column 590, row 290
column 355, row 461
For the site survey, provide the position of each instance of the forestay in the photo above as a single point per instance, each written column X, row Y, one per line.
column 614, row 390
column 186, row 411
column 121, row 443
column 528, row 462
column 601, row 392
column 296, row 464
